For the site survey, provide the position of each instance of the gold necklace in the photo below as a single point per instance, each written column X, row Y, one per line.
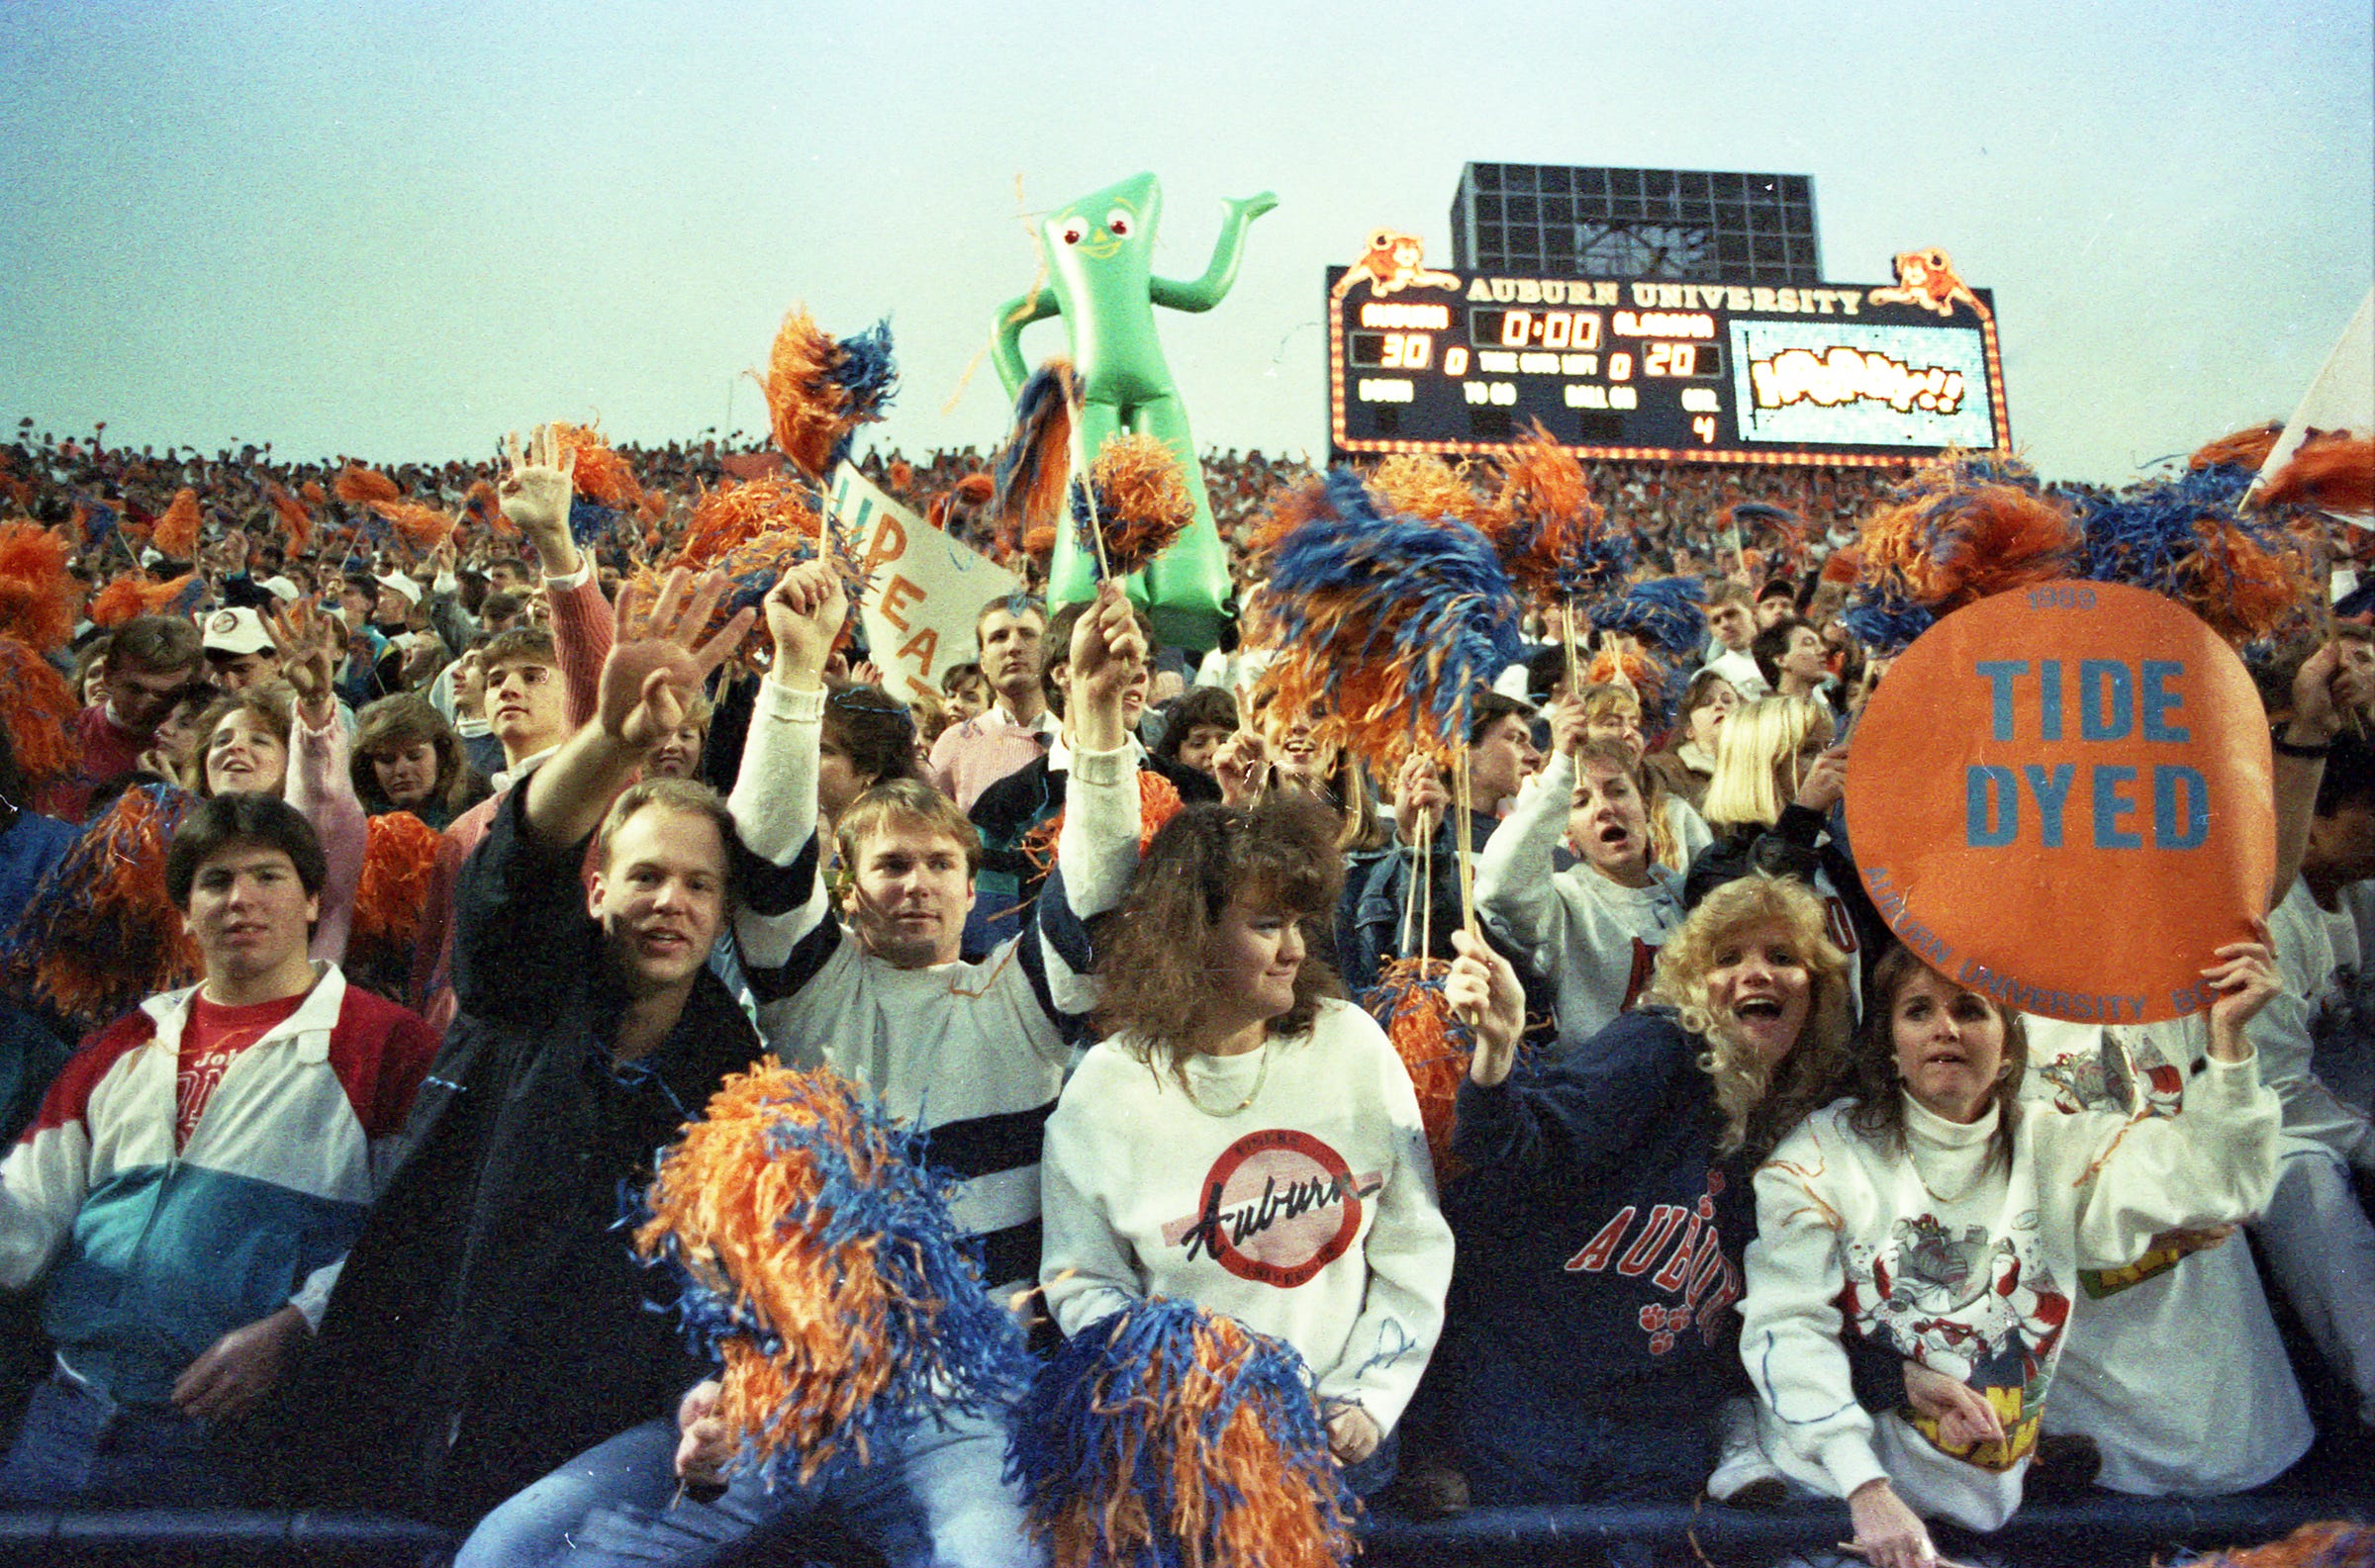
column 1259, row 1074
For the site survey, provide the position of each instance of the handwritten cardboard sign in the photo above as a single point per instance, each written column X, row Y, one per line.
column 2061, row 797
column 924, row 589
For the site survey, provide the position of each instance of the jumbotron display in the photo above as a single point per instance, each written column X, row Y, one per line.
column 1426, row 361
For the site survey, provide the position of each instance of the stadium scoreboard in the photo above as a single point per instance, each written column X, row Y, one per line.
column 1421, row 360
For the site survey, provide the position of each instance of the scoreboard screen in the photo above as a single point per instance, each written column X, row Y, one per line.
column 1426, row 361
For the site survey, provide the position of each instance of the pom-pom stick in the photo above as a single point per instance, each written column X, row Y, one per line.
column 1167, row 1435
column 817, row 1258
column 102, row 932
column 1134, row 503
column 176, row 532
column 1435, row 1047
column 37, row 595
column 819, row 391
column 41, row 711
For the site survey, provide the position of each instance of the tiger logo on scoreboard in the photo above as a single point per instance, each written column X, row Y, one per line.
column 1394, row 263
column 1927, row 278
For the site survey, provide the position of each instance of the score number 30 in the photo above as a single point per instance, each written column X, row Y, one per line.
column 1413, row 351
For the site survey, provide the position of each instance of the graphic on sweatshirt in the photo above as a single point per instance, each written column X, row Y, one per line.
column 1977, row 1307
column 1277, row 1207
column 2107, row 1080
column 1681, row 1251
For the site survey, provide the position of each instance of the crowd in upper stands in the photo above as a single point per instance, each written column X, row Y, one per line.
column 463, row 884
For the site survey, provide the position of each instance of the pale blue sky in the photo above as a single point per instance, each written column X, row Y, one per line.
column 397, row 229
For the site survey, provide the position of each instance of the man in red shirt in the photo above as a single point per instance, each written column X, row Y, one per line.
column 184, row 1255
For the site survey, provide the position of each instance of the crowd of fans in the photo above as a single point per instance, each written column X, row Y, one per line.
column 487, row 886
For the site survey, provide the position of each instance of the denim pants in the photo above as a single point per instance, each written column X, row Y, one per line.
column 77, row 1446
column 941, row 1502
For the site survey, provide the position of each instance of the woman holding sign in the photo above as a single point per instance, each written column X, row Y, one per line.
column 1602, row 1225
column 1928, row 1219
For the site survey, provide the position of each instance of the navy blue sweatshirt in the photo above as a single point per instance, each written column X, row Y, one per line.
column 1599, row 1244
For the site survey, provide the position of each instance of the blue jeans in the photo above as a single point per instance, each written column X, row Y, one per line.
column 941, row 1502
column 77, row 1446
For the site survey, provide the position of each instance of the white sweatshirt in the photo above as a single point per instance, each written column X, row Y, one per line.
column 1592, row 938
column 1942, row 1257
column 1308, row 1215
column 2172, row 1364
column 2309, row 953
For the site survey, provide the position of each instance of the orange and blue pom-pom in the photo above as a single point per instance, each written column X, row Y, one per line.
column 819, row 391
column 101, row 933
column 1169, row 1437
column 1391, row 623
column 1436, row 1047
column 1027, row 480
column 2241, row 572
column 1552, row 537
column 1142, row 503
column 817, row 1256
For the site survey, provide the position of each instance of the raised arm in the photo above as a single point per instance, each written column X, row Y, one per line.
column 645, row 687
column 1578, row 1114
column 1513, row 871
column 774, row 801
column 320, row 783
column 1097, row 849
column 1209, row 290
column 2318, row 685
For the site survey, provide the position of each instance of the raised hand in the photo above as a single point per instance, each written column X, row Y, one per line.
column 2246, row 978
column 1484, row 994
column 536, row 492
column 1108, row 649
column 804, row 612
column 1826, row 782
column 1420, row 798
column 1242, row 767
column 308, row 659
column 1567, row 724
column 647, row 683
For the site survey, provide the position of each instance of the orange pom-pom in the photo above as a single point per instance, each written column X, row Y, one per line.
column 601, row 475
column 2242, row 590
column 294, row 519
column 102, row 933
column 1143, row 502
column 1434, row 1045
column 132, row 595
column 2244, row 448
column 1423, row 485
column 363, row 487
column 176, row 532
column 726, row 519
column 1158, row 802
column 902, row 476
column 1551, row 536
column 1039, row 543
column 41, row 711
column 976, row 488
column 311, row 494
column 2332, row 472
column 422, row 528
column 37, row 597
column 1955, row 536
column 805, row 404
column 399, row 852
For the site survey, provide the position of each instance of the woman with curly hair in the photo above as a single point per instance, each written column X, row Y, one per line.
column 1925, row 1220
column 407, row 758
column 1243, row 1137
column 1602, row 1225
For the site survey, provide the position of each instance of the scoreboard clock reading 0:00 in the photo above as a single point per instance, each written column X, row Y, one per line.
column 1428, row 361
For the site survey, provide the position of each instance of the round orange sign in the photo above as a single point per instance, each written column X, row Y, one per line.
column 2063, row 797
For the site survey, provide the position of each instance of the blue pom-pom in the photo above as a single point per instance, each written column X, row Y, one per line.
column 99, row 520
column 588, row 520
column 866, row 371
column 1104, row 1419
column 1885, row 623
column 1664, row 613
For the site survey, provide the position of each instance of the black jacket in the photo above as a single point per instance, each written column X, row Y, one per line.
column 491, row 1321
